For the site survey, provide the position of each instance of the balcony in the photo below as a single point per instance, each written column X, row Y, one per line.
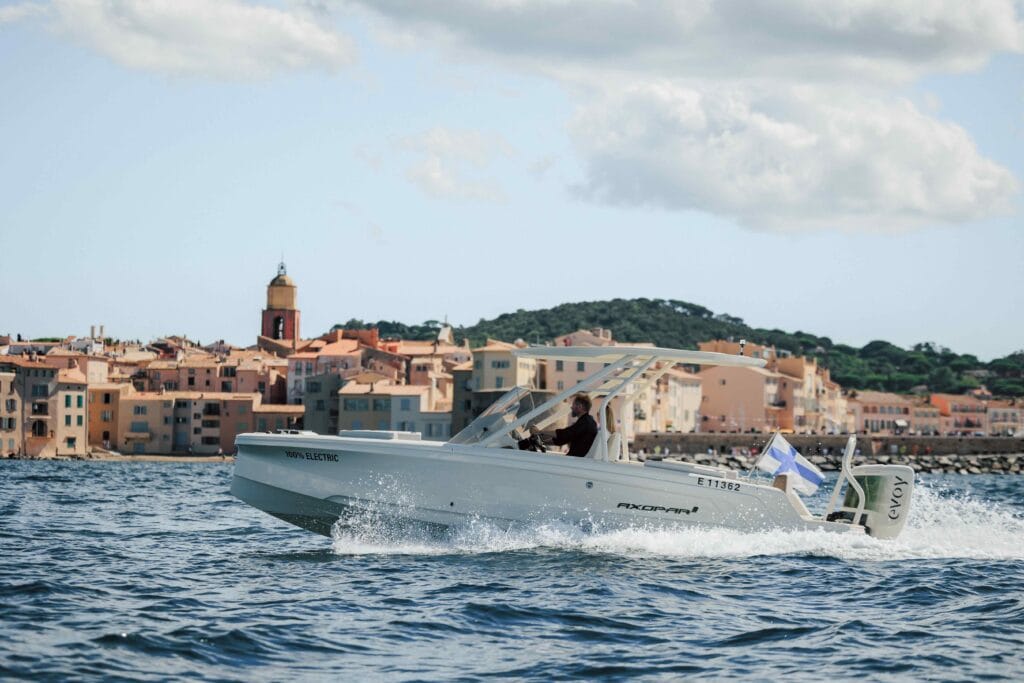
column 40, row 410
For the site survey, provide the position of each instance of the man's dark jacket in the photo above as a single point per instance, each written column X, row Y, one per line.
column 579, row 435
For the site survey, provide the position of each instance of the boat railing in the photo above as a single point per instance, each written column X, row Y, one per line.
column 846, row 473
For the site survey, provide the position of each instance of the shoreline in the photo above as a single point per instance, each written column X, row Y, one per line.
column 110, row 457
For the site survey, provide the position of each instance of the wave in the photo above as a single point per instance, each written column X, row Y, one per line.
column 943, row 524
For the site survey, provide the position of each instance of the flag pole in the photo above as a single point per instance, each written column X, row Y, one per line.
column 767, row 445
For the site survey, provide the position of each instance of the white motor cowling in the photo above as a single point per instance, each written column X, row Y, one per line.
column 887, row 492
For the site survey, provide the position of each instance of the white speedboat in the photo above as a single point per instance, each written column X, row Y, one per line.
column 315, row 481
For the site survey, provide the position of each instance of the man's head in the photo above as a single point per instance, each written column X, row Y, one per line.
column 580, row 405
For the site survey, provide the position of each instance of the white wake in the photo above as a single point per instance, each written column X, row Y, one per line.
column 941, row 525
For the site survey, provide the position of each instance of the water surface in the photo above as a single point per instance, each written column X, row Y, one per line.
column 151, row 571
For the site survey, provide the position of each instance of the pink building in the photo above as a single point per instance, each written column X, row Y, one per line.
column 880, row 412
column 738, row 399
column 962, row 415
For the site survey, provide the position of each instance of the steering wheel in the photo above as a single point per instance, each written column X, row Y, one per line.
column 533, row 443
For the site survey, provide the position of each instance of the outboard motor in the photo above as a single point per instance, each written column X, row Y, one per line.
column 887, row 491
column 878, row 496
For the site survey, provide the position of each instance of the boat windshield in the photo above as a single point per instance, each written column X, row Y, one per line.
column 502, row 413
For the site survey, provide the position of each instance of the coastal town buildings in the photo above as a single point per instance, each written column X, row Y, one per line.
column 405, row 408
column 880, row 412
column 925, row 418
column 960, row 415
column 52, row 407
column 1004, row 418
column 739, row 399
column 10, row 415
column 495, row 367
column 805, row 399
column 126, row 420
column 173, row 395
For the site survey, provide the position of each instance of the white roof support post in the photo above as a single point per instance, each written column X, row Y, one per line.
column 602, row 433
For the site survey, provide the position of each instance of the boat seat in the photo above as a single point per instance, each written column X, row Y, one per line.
column 614, row 446
column 784, row 482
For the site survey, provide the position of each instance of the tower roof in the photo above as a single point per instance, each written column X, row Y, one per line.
column 282, row 279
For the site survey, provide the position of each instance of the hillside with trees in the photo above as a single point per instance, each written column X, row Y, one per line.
column 878, row 365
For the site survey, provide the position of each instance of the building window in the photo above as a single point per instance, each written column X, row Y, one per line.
column 80, row 401
column 67, row 420
column 78, row 420
column 499, row 382
column 261, row 424
column 139, row 410
column 67, row 400
column 71, row 441
column 721, row 382
column 381, row 404
column 320, row 406
column 405, row 404
column 355, row 404
column 139, row 426
column 580, row 366
column 107, row 415
column 559, row 366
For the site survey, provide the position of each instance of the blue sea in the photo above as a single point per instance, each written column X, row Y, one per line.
column 152, row 571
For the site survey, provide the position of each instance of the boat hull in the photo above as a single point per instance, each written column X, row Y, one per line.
column 316, row 481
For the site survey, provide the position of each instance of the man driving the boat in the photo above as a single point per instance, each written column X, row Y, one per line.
column 580, row 434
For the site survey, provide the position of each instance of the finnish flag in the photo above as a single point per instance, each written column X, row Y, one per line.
column 780, row 456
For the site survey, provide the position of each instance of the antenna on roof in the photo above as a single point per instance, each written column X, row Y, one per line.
column 743, row 344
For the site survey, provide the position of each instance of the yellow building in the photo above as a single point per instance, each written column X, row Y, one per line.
column 494, row 367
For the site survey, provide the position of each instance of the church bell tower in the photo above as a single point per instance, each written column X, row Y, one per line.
column 281, row 316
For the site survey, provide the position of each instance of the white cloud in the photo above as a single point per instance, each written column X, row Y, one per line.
column 807, row 38
column 19, row 11
column 799, row 158
column 781, row 114
column 220, row 38
column 449, row 163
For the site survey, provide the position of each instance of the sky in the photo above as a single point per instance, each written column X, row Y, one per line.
column 852, row 169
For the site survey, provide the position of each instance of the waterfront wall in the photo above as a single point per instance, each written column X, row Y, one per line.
column 972, row 455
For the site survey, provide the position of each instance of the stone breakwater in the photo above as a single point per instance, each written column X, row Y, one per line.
column 925, row 454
